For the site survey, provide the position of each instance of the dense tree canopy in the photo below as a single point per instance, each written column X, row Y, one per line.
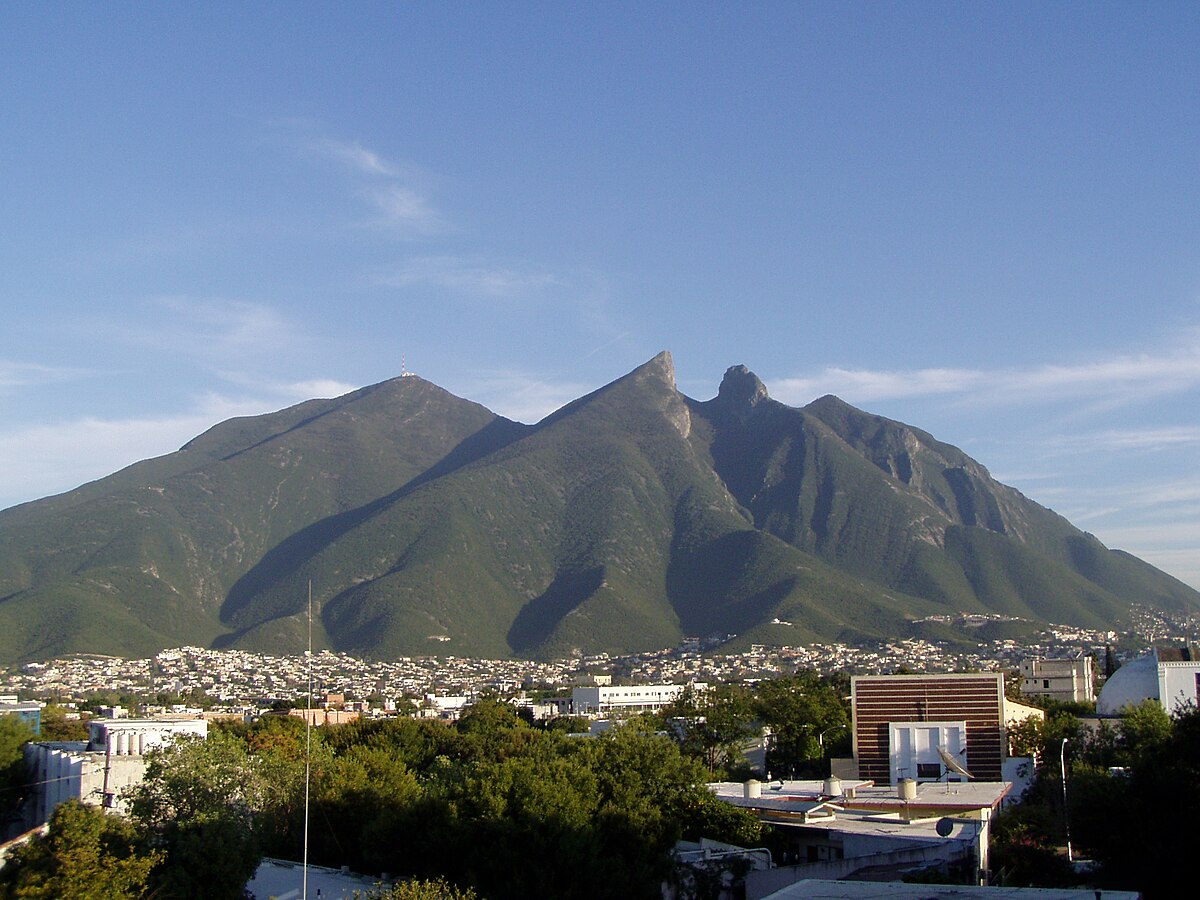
column 14, row 732
column 85, row 855
column 1130, row 790
column 560, row 815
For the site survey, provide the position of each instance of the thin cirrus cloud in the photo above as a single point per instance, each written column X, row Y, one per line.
column 1114, row 380
column 15, row 374
column 1166, row 497
column 206, row 328
column 289, row 392
column 398, row 206
column 355, row 157
column 1145, row 439
column 467, row 276
column 520, row 396
column 40, row 460
column 389, row 188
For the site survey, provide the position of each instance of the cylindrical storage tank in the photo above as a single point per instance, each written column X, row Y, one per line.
column 752, row 789
column 833, row 786
column 907, row 789
column 141, row 743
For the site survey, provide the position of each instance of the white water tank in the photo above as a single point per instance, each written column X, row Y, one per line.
column 832, row 786
column 907, row 789
column 752, row 789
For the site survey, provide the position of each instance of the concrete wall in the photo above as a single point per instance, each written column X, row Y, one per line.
column 1178, row 686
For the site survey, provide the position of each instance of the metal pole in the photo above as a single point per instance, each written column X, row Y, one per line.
column 307, row 746
column 1062, row 763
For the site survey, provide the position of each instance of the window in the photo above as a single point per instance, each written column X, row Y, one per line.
column 1045, row 682
column 929, row 770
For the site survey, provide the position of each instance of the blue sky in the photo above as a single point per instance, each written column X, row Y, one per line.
column 980, row 219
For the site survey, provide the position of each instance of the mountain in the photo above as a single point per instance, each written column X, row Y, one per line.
column 624, row 521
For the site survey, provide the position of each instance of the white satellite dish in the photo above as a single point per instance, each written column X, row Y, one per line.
column 953, row 764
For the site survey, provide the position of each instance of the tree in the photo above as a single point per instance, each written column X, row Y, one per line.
column 711, row 725
column 1111, row 663
column 1138, row 825
column 433, row 889
column 14, row 733
column 808, row 719
column 85, row 855
column 198, row 801
column 57, row 727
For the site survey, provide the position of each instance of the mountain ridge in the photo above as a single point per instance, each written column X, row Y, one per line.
column 626, row 519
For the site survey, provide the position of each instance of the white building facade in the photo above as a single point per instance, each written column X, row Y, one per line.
column 607, row 700
column 99, row 770
column 1071, row 680
column 913, row 749
column 1168, row 675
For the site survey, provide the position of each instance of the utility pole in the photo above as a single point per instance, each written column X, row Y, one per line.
column 1062, row 762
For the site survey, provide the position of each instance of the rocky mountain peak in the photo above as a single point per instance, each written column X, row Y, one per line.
column 741, row 389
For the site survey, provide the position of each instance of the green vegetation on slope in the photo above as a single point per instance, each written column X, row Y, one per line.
column 626, row 520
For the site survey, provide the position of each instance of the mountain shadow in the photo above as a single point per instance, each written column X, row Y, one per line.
column 537, row 619
column 286, row 558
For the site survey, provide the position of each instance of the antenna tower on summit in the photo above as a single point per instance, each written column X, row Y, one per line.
column 404, row 373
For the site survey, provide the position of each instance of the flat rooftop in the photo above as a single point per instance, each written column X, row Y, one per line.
column 798, row 798
column 813, row 889
column 281, row 880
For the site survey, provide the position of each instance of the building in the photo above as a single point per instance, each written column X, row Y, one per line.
column 30, row 713
column 844, row 829
column 445, row 706
column 819, row 889
column 931, row 727
column 97, row 771
column 607, row 700
column 1070, row 680
column 1169, row 675
column 276, row 878
column 318, row 716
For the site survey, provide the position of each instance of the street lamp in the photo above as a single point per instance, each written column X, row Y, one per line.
column 1062, row 763
column 821, row 736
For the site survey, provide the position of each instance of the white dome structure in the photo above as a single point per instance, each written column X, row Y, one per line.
column 1168, row 675
column 1131, row 684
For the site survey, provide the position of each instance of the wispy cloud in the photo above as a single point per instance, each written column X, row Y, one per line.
column 519, row 395
column 289, row 391
column 1114, row 380
column 1144, row 493
column 468, row 276
column 393, row 190
column 211, row 331
column 862, row 385
column 399, row 206
column 1134, row 439
column 233, row 324
column 15, row 374
column 1171, row 546
column 39, row 460
column 356, row 157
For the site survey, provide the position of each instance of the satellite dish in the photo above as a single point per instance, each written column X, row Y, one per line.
column 945, row 827
column 953, row 764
